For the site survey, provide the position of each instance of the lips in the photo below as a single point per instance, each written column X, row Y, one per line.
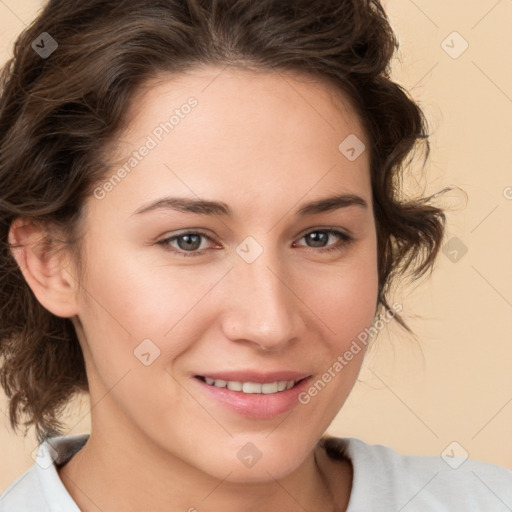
column 254, row 394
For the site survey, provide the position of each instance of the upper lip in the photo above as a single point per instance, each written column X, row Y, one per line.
column 255, row 376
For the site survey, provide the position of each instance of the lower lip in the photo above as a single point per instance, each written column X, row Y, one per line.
column 256, row 405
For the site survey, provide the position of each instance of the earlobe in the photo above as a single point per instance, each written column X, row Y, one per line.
column 44, row 267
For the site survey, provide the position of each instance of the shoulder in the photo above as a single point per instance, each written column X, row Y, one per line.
column 384, row 479
column 40, row 489
column 25, row 494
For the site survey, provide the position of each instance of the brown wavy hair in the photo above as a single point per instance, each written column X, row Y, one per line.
column 59, row 115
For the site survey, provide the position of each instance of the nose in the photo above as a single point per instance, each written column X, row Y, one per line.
column 261, row 306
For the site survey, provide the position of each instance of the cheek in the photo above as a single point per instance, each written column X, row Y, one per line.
column 345, row 298
column 131, row 300
column 348, row 300
column 143, row 298
column 345, row 301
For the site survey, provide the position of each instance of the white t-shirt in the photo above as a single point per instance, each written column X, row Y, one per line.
column 384, row 480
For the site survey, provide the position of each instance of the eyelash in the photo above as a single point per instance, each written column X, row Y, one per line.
column 346, row 240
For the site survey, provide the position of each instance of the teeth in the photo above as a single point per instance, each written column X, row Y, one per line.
column 281, row 385
column 269, row 387
column 234, row 386
column 252, row 387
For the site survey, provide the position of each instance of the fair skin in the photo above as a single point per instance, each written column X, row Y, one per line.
column 160, row 440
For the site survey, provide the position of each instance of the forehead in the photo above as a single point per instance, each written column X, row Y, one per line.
column 245, row 100
column 269, row 133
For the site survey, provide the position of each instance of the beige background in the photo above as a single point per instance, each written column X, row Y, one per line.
column 455, row 382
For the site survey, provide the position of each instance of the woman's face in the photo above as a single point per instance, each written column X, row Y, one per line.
column 209, row 260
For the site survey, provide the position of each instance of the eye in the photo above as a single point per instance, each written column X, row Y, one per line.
column 319, row 239
column 187, row 243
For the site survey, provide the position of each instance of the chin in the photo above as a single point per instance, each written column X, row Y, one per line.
column 256, row 459
column 274, row 468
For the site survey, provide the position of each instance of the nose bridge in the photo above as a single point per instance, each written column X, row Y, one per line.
column 261, row 307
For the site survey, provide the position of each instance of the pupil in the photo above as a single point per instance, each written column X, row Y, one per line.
column 318, row 238
column 191, row 242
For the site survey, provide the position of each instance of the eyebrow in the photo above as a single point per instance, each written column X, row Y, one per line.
column 206, row 207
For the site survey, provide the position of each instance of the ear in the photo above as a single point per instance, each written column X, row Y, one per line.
column 44, row 266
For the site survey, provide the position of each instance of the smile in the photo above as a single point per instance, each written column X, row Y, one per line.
column 254, row 394
column 266, row 388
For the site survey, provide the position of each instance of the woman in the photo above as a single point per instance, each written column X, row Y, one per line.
column 201, row 218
